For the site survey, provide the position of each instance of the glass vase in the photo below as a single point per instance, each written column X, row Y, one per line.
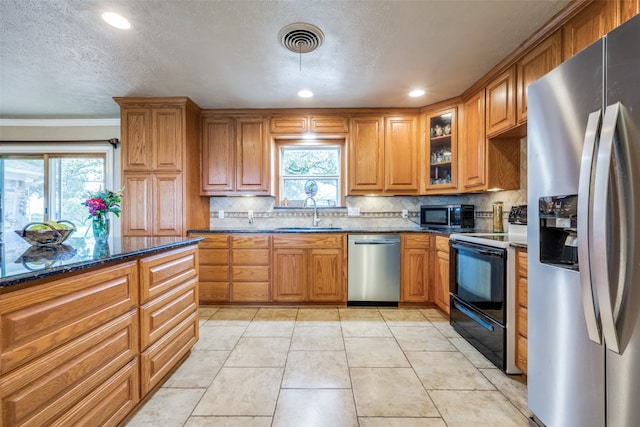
column 100, row 227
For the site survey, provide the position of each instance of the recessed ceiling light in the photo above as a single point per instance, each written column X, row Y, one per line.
column 304, row 93
column 416, row 93
column 116, row 20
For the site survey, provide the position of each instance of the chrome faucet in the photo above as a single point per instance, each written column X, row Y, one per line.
column 316, row 220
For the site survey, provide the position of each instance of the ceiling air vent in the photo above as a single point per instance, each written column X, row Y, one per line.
column 301, row 37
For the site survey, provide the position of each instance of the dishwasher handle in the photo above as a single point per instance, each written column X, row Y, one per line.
column 377, row 242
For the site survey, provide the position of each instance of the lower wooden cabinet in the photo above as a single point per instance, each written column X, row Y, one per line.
column 521, row 309
column 214, row 268
column 86, row 349
column 441, row 285
column 250, row 268
column 415, row 267
column 309, row 268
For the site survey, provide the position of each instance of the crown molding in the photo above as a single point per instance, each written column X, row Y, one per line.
column 59, row 122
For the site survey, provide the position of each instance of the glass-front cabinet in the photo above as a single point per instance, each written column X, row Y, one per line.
column 441, row 155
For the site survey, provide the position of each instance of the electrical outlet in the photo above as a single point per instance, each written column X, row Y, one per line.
column 405, row 213
column 250, row 213
column 220, row 214
column 352, row 211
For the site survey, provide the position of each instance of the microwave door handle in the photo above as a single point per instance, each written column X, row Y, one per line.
column 610, row 246
column 591, row 313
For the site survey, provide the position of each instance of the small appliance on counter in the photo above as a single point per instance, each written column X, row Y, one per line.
column 482, row 287
column 447, row 216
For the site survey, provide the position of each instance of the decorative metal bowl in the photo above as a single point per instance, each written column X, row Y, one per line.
column 47, row 236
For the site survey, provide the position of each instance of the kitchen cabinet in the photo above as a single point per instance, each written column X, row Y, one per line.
column 236, row 156
column 160, row 137
column 534, row 64
column 521, row 310
column 501, row 103
column 441, row 285
column 441, row 151
column 300, row 124
column 587, row 26
column 309, row 268
column 401, row 155
column 415, row 268
column 250, row 268
column 214, row 268
column 486, row 164
column 366, row 155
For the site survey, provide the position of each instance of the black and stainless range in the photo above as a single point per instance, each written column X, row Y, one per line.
column 482, row 289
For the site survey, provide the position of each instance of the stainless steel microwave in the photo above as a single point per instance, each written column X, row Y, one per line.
column 447, row 216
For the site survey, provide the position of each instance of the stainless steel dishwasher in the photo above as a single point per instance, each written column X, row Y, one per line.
column 373, row 269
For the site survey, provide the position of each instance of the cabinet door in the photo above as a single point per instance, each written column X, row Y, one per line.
column 589, row 25
column 217, row 146
column 501, row 103
column 289, row 124
column 366, row 155
column 442, row 277
column 326, row 275
column 167, row 139
column 136, row 205
column 440, row 160
column 535, row 64
column 289, row 274
column 252, row 156
column 473, row 147
column 328, row 124
column 136, row 139
column 401, row 155
column 415, row 275
column 167, row 205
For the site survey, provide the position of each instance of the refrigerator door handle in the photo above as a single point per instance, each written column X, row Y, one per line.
column 591, row 313
column 609, row 226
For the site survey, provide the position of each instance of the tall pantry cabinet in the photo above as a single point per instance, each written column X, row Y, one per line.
column 160, row 167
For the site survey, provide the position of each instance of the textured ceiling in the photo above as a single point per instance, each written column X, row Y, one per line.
column 58, row 59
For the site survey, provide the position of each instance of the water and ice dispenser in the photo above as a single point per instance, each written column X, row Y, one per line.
column 559, row 231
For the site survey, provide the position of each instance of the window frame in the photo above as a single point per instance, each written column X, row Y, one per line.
column 340, row 143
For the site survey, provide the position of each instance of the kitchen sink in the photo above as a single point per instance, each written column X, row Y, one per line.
column 307, row 229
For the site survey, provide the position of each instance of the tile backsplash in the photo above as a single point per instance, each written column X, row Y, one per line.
column 375, row 211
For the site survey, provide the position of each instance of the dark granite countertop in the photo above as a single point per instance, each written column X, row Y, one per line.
column 373, row 230
column 20, row 262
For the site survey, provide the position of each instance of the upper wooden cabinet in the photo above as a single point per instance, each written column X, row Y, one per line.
column 297, row 124
column 535, row 64
column 235, row 156
column 486, row 163
column 160, row 137
column 401, row 155
column 366, row 155
column 501, row 103
column 589, row 25
column 440, row 159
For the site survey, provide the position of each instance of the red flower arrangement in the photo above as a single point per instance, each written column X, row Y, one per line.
column 103, row 202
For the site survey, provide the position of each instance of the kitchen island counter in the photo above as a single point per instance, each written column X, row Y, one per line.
column 23, row 264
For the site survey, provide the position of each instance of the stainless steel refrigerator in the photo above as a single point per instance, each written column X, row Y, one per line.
column 584, row 237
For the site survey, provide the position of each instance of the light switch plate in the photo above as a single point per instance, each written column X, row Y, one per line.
column 220, row 214
column 353, row 211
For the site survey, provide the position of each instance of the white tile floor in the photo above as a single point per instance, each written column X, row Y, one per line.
column 334, row 367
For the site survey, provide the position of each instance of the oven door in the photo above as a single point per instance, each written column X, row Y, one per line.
column 479, row 277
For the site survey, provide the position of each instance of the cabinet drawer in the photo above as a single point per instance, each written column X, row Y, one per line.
column 301, row 241
column 522, row 321
column 522, row 291
column 251, row 291
column 162, row 272
column 250, row 274
column 212, row 240
column 46, row 388
column 41, row 318
column 250, row 257
column 214, row 273
column 250, row 241
column 522, row 262
column 417, row 241
column 110, row 403
column 214, row 256
column 213, row 292
column 442, row 244
column 159, row 359
column 521, row 353
column 164, row 312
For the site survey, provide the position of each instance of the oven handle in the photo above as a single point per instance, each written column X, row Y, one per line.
column 474, row 316
column 479, row 249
